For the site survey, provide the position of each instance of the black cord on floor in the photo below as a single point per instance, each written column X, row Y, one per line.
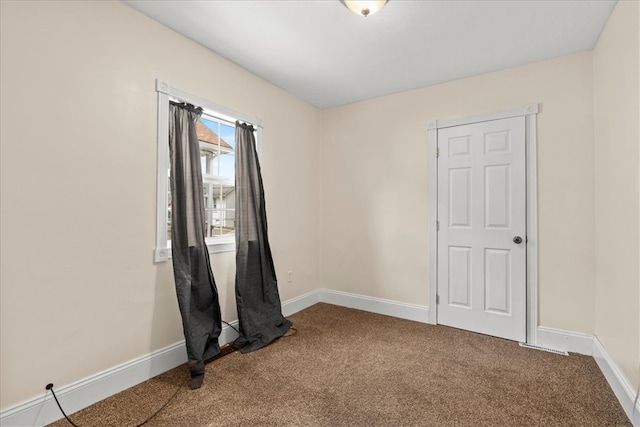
column 295, row 331
column 50, row 387
column 234, row 343
column 231, row 326
column 161, row 408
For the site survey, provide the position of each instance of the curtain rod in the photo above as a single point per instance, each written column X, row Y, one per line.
column 204, row 112
column 230, row 116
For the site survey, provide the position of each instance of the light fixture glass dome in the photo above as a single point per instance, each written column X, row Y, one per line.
column 364, row 7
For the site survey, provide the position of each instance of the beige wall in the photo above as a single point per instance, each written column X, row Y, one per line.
column 80, row 293
column 617, row 149
column 375, row 185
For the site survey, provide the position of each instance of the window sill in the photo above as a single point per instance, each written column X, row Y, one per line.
column 164, row 254
column 218, row 247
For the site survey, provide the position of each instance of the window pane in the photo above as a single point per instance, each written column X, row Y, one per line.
column 208, row 162
column 217, row 160
column 225, row 222
column 228, row 135
column 209, row 222
column 228, row 164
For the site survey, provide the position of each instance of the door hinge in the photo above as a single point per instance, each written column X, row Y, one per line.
column 437, row 152
column 437, row 299
column 437, row 225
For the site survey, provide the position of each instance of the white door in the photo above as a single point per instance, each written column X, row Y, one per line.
column 482, row 228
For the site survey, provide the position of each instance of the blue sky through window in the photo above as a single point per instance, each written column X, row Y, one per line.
column 228, row 134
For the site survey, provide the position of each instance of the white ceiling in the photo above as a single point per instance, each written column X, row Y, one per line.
column 325, row 54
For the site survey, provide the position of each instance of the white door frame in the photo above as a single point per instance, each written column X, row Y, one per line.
column 529, row 112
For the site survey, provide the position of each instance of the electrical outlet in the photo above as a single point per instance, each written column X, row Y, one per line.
column 289, row 276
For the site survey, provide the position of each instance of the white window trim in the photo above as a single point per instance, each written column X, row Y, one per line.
column 162, row 252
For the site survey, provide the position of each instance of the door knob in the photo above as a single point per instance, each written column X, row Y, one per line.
column 517, row 240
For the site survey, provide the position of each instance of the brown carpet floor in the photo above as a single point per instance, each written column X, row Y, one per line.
column 346, row 367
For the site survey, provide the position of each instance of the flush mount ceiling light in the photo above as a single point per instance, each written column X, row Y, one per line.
column 363, row 7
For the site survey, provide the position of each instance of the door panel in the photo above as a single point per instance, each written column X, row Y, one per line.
column 497, row 281
column 481, row 208
column 497, row 203
column 460, row 276
column 460, row 197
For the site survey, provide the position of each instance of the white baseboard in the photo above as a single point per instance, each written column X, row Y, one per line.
column 418, row 313
column 618, row 383
column 557, row 339
column 590, row 345
column 297, row 304
column 42, row 410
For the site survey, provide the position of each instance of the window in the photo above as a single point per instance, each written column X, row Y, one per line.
column 216, row 135
column 217, row 161
column 217, row 154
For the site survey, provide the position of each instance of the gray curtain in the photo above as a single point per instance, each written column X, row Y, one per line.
column 257, row 298
column 195, row 285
